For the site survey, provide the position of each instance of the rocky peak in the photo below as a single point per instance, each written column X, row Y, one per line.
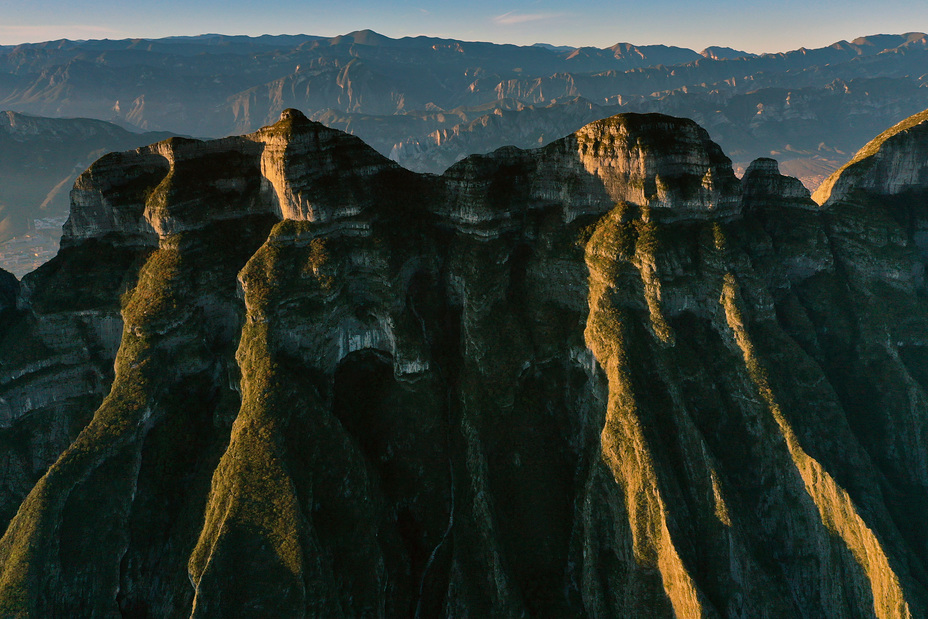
column 297, row 169
column 648, row 160
column 763, row 184
column 175, row 185
column 301, row 170
column 315, row 172
column 894, row 162
column 293, row 115
column 668, row 164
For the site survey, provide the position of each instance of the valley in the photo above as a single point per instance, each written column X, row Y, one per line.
column 427, row 103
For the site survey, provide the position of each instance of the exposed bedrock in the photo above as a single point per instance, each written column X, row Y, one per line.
column 279, row 375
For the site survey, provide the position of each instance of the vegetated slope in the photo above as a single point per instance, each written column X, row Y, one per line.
column 600, row 378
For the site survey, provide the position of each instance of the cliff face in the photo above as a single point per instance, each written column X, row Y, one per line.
column 41, row 157
column 602, row 378
column 900, row 167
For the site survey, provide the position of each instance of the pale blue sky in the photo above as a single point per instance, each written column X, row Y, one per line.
column 750, row 25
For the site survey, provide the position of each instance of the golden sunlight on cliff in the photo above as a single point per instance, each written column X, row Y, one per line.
column 837, row 511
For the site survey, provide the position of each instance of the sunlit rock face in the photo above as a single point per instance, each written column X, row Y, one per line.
column 659, row 162
column 892, row 163
column 279, row 375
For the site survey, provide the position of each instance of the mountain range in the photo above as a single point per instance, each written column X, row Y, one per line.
column 277, row 374
column 428, row 102
column 405, row 90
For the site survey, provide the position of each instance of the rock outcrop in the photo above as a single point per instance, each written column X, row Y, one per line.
column 902, row 166
column 763, row 185
column 601, row 378
column 41, row 157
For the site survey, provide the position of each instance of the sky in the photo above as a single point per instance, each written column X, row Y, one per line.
column 749, row 25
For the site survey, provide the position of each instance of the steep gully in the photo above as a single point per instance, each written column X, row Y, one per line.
column 600, row 378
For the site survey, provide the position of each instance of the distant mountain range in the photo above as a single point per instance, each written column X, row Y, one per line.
column 428, row 102
column 214, row 84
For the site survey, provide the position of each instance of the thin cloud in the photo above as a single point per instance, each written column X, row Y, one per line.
column 512, row 18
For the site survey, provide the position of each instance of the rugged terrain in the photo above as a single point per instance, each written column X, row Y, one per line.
column 425, row 102
column 280, row 375
column 428, row 102
column 40, row 158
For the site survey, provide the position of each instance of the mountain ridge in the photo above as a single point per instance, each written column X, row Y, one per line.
column 218, row 85
column 41, row 159
column 601, row 377
column 836, row 187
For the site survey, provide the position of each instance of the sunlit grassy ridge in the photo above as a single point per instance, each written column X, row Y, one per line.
column 861, row 162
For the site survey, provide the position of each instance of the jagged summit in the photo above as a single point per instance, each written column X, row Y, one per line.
column 293, row 114
column 278, row 375
column 303, row 170
column 763, row 185
column 661, row 162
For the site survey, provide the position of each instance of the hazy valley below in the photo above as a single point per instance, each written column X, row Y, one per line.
column 427, row 103
column 430, row 328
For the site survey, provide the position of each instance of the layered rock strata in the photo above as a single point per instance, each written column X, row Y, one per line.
column 602, row 378
column 902, row 166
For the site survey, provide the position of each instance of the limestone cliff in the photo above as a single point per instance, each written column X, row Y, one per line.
column 602, row 378
column 901, row 166
column 41, row 157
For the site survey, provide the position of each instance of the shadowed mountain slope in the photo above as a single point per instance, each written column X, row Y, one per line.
column 42, row 157
column 279, row 375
